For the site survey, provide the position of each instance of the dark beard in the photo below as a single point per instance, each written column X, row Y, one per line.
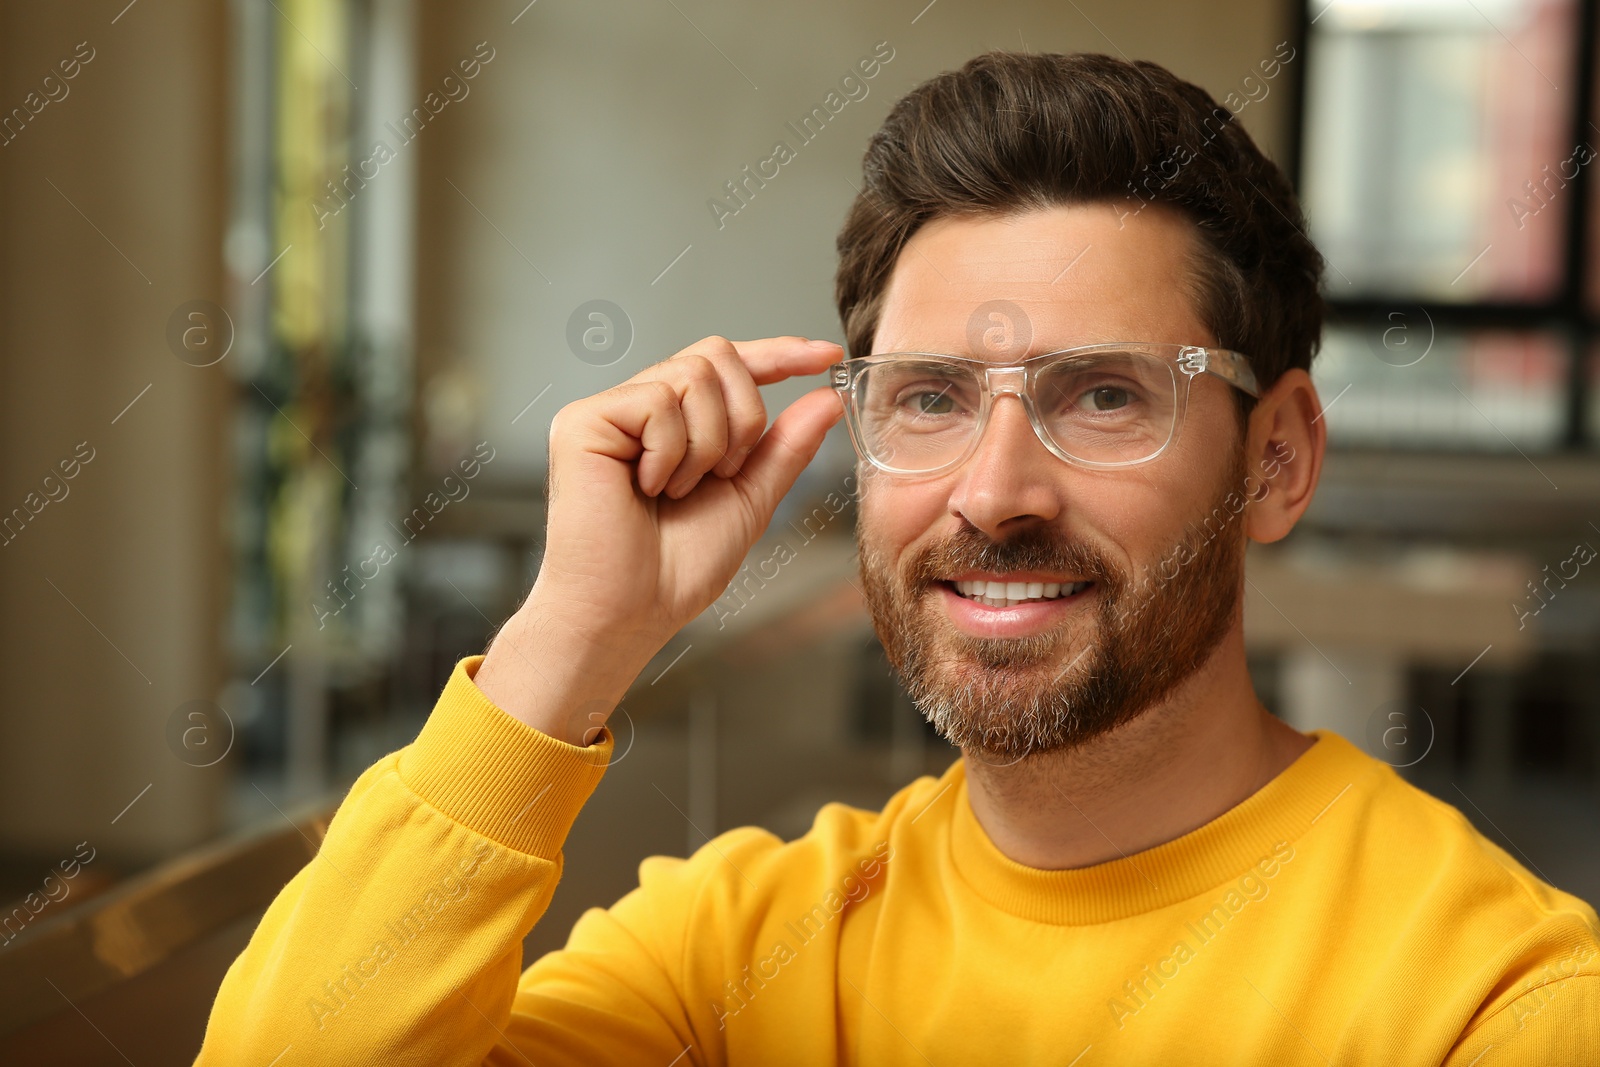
column 1004, row 699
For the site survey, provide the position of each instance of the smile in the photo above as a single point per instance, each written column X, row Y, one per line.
column 1010, row 594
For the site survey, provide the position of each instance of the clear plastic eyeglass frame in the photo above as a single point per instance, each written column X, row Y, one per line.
column 1019, row 380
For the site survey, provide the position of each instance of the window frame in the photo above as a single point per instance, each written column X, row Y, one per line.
column 1566, row 315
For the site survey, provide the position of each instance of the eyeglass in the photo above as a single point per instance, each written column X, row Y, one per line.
column 1099, row 406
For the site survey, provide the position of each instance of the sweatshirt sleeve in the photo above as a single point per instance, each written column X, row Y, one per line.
column 401, row 940
column 1555, row 1025
column 1544, row 1010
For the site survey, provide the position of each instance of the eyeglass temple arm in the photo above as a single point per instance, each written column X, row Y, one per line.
column 1232, row 367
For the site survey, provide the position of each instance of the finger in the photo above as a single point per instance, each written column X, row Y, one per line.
column 633, row 421
column 746, row 364
column 786, row 448
column 742, row 366
column 747, row 411
column 706, row 417
column 773, row 359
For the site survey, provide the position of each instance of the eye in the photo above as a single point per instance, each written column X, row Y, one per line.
column 929, row 398
column 939, row 403
column 1107, row 398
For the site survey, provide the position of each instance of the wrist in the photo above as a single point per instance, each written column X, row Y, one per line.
column 558, row 678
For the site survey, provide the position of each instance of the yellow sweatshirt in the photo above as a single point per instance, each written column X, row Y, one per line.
column 1338, row 916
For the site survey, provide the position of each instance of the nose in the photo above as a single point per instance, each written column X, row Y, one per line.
column 1011, row 479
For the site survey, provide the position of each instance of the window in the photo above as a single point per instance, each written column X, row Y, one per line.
column 1444, row 167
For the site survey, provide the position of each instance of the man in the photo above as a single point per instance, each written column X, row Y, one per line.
column 1046, row 283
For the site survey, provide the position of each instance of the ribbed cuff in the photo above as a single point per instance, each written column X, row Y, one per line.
column 497, row 775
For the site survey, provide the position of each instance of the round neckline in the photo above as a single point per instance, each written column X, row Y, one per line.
column 1169, row 873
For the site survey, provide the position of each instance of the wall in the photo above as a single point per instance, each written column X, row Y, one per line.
column 581, row 164
column 110, row 598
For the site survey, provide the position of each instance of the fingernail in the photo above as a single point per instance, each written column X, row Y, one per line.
column 822, row 344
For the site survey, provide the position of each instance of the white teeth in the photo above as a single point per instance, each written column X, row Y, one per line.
column 1010, row 594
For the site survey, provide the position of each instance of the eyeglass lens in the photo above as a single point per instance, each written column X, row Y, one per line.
column 919, row 414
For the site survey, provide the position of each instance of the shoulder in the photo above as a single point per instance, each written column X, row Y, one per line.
column 1440, row 893
column 1429, row 841
column 1423, row 847
column 1544, row 1020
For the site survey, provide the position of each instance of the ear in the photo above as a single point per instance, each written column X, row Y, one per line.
column 1284, row 448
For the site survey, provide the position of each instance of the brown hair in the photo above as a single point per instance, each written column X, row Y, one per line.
column 1015, row 131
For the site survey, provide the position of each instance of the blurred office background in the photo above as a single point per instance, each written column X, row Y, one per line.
column 284, row 282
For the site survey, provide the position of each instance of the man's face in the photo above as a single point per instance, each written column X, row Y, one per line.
column 1162, row 589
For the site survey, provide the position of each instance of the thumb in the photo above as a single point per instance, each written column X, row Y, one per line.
column 789, row 444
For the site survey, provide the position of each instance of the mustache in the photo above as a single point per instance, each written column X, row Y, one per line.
column 1038, row 548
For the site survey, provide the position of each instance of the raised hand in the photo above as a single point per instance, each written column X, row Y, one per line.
column 658, row 488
